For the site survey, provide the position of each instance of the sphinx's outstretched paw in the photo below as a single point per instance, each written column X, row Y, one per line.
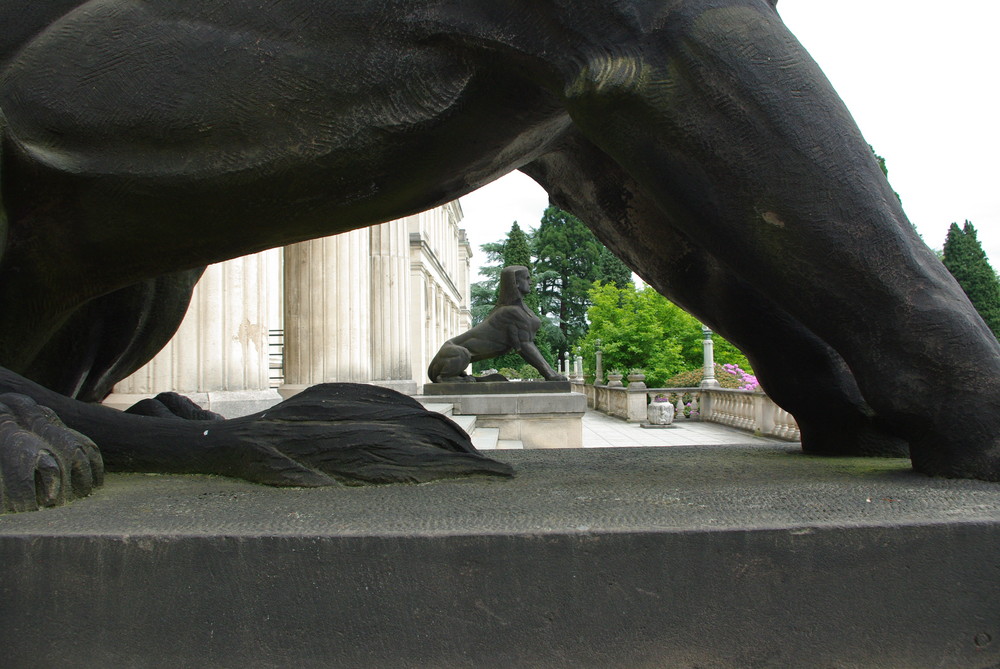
column 172, row 405
column 353, row 434
column 42, row 462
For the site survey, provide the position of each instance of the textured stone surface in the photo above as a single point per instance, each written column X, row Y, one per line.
column 735, row 557
column 496, row 388
column 511, row 404
column 638, row 489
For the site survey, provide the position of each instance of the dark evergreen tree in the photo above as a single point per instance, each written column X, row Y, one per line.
column 568, row 257
column 965, row 259
column 517, row 251
column 612, row 270
column 565, row 259
column 517, row 248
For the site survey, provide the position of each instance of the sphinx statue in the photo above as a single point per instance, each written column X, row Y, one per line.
column 509, row 326
column 697, row 139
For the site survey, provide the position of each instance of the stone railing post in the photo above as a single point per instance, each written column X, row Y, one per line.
column 708, row 353
column 763, row 414
column 706, row 404
column 636, row 406
column 637, row 400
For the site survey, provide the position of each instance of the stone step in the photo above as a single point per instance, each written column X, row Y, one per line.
column 440, row 407
column 467, row 423
column 485, row 438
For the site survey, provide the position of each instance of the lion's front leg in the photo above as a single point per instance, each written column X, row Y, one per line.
column 42, row 462
column 534, row 357
column 332, row 434
column 732, row 130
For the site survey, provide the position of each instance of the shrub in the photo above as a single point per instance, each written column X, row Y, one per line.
column 728, row 376
column 527, row 372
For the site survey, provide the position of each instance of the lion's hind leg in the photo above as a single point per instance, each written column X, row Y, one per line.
column 448, row 365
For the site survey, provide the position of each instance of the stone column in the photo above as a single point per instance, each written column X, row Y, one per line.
column 709, row 380
column 327, row 313
column 219, row 356
column 390, row 307
column 418, row 325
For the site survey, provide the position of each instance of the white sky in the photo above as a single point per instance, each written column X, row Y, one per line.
column 921, row 80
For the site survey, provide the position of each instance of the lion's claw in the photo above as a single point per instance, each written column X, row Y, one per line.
column 42, row 462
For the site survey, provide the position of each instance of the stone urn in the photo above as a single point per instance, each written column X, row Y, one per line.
column 660, row 413
column 637, row 380
column 614, row 380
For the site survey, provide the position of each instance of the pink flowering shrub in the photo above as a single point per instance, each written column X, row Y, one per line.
column 728, row 376
column 747, row 381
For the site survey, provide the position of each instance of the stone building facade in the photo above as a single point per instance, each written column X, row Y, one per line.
column 367, row 306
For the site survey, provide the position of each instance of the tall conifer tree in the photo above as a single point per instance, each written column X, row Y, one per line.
column 965, row 259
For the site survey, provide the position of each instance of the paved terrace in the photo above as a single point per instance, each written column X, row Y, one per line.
column 603, row 431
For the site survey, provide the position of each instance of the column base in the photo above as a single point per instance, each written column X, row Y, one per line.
column 405, row 387
column 228, row 403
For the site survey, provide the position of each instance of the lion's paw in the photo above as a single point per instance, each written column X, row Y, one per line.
column 42, row 462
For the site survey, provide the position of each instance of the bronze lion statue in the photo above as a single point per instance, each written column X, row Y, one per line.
column 143, row 140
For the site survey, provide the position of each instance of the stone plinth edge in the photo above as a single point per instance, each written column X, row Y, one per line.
column 729, row 557
column 497, row 388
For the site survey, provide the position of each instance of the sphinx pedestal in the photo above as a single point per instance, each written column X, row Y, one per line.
column 540, row 414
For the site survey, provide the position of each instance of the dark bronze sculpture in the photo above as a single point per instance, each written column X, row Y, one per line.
column 510, row 326
column 141, row 141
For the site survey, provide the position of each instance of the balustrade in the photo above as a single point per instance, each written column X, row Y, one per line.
column 752, row 411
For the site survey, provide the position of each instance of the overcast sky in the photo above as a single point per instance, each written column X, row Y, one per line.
column 921, row 80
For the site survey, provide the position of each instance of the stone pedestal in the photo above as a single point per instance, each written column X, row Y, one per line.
column 730, row 557
column 497, row 388
column 538, row 420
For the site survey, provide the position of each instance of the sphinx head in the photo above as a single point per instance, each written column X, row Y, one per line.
column 515, row 283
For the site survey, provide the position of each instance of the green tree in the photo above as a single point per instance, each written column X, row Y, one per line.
column 612, row 270
column 965, row 259
column 564, row 259
column 885, row 170
column 569, row 259
column 639, row 328
column 517, row 248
